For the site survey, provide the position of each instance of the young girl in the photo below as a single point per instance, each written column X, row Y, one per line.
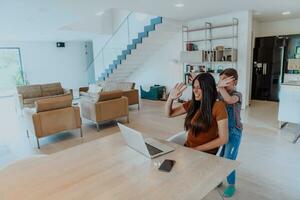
column 233, row 100
column 206, row 120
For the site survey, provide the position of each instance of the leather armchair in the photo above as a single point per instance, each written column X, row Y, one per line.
column 104, row 107
column 51, row 116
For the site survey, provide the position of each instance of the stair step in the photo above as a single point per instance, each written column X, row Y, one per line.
column 104, row 74
column 108, row 71
column 126, row 52
column 121, row 57
column 157, row 20
column 101, row 78
column 149, row 28
column 113, row 66
column 131, row 46
column 137, row 41
column 143, row 34
column 117, row 62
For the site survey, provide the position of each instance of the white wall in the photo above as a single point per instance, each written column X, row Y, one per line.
column 283, row 27
column 43, row 62
column 162, row 69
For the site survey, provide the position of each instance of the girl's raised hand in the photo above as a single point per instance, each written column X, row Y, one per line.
column 225, row 81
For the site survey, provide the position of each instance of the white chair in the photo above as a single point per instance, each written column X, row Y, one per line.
column 179, row 138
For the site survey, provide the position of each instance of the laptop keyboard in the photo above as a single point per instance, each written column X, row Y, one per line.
column 153, row 150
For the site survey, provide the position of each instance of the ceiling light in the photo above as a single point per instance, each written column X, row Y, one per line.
column 286, row 13
column 179, row 5
column 99, row 13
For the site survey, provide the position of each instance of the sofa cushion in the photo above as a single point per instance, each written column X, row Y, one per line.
column 53, row 103
column 32, row 100
column 30, row 91
column 51, row 89
column 104, row 96
column 90, row 96
column 94, row 88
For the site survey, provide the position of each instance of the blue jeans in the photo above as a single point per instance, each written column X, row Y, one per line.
column 230, row 150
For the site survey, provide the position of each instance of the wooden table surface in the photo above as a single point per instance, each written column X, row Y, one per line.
column 108, row 169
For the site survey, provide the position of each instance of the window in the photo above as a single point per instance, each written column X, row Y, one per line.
column 11, row 73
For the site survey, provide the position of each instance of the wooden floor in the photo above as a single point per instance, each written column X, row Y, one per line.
column 270, row 162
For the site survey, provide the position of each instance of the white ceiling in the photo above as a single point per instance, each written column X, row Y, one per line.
column 53, row 19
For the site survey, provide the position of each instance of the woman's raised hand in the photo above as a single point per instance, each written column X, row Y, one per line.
column 176, row 92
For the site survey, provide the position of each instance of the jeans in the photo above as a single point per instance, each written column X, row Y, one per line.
column 230, row 150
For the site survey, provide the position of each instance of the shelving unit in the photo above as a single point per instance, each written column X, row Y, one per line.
column 206, row 49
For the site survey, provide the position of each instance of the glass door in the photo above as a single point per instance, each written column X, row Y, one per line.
column 11, row 72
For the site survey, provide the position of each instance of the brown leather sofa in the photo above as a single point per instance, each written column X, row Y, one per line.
column 104, row 107
column 51, row 116
column 28, row 94
column 128, row 89
column 133, row 97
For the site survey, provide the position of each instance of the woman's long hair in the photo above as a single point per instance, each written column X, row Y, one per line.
column 199, row 115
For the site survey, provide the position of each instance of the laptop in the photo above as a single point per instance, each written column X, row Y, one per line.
column 148, row 147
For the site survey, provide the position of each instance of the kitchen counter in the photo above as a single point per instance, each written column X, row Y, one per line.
column 289, row 104
column 293, row 83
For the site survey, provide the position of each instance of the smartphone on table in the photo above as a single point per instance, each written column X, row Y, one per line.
column 167, row 165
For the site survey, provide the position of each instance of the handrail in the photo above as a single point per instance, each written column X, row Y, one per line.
column 109, row 39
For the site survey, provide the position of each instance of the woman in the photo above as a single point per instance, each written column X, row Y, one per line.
column 206, row 119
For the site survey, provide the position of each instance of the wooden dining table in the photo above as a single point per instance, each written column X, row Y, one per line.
column 107, row 168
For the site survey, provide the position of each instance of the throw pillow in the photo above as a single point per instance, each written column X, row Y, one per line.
column 94, row 88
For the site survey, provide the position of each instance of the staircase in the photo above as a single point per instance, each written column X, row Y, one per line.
column 154, row 36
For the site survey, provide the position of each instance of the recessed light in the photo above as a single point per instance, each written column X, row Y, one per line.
column 99, row 13
column 179, row 5
column 286, row 13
